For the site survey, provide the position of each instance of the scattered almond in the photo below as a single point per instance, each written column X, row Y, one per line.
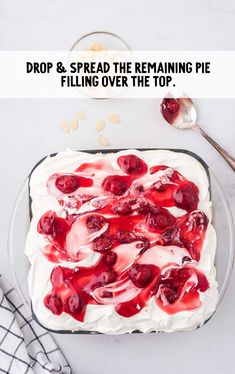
column 99, row 125
column 65, row 126
column 74, row 124
column 103, row 140
column 114, row 119
column 80, row 115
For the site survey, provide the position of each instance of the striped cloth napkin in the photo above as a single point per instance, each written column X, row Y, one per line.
column 25, row 347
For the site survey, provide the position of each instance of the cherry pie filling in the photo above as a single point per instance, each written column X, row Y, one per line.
column 121, row 214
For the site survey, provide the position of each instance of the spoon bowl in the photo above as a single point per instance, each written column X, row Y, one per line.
column 181, row 113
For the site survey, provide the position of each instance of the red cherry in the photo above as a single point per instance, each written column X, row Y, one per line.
column 61, row 226
column 46, row 223
column 132, row 165
column 170, row 293
column 124, row 236
column 183, row 275
column 69, row 183
column 102, row 244
column 197, row 221
column 107, row 277
column 102, row 279
column 141, row 275
column 171, row 237
column 179, row 276
column 160, row 220
column 144, row 208
column 192, row 232
column 186, row 197
column 95, row 222
column 54, row 226
column 123, row 208
column 170, row 109
column 54, row 303
column 73, row 304
column 110, row 258
column 116, row 184
column 194, row 226
column 171, row 105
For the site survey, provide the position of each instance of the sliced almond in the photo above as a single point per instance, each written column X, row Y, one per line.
column 115, row 119
column 74, row 124
column 97, row 47
column 80, row 115
column 100, row 125
column 103, row 140
column 65, row 126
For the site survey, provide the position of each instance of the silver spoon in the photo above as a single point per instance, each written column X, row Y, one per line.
column 181, row 114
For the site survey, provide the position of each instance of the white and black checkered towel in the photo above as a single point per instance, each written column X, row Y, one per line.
column 25, row 347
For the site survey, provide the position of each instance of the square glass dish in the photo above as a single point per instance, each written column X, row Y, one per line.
column 222, row 222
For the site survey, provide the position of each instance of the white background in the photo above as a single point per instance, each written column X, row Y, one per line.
column 30, row 129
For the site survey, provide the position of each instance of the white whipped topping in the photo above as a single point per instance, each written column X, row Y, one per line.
column 103, row 318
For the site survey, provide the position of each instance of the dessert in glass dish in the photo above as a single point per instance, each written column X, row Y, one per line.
column 121, row 242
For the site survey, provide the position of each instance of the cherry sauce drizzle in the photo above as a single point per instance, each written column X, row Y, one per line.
column 132, row 215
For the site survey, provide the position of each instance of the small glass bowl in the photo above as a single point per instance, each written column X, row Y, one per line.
column 222, row 221
column 109, row 45
column 106, row 39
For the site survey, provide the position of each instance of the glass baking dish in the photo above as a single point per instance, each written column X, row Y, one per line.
column 222, row 221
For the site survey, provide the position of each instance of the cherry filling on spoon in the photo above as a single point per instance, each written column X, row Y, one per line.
column 122, row 216
column 170, row 108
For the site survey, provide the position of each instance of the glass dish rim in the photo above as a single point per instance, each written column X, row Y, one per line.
column 25, row 185
column 82, row 37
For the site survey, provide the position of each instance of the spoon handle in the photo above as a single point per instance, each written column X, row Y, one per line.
column 230, row 160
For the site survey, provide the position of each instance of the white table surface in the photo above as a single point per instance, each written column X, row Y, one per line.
column 30, row 129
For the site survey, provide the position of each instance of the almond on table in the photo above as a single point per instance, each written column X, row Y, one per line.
column 100, row 125
column 114, row 118
column 65, row 126
column 74, row 124
column 103, row 140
